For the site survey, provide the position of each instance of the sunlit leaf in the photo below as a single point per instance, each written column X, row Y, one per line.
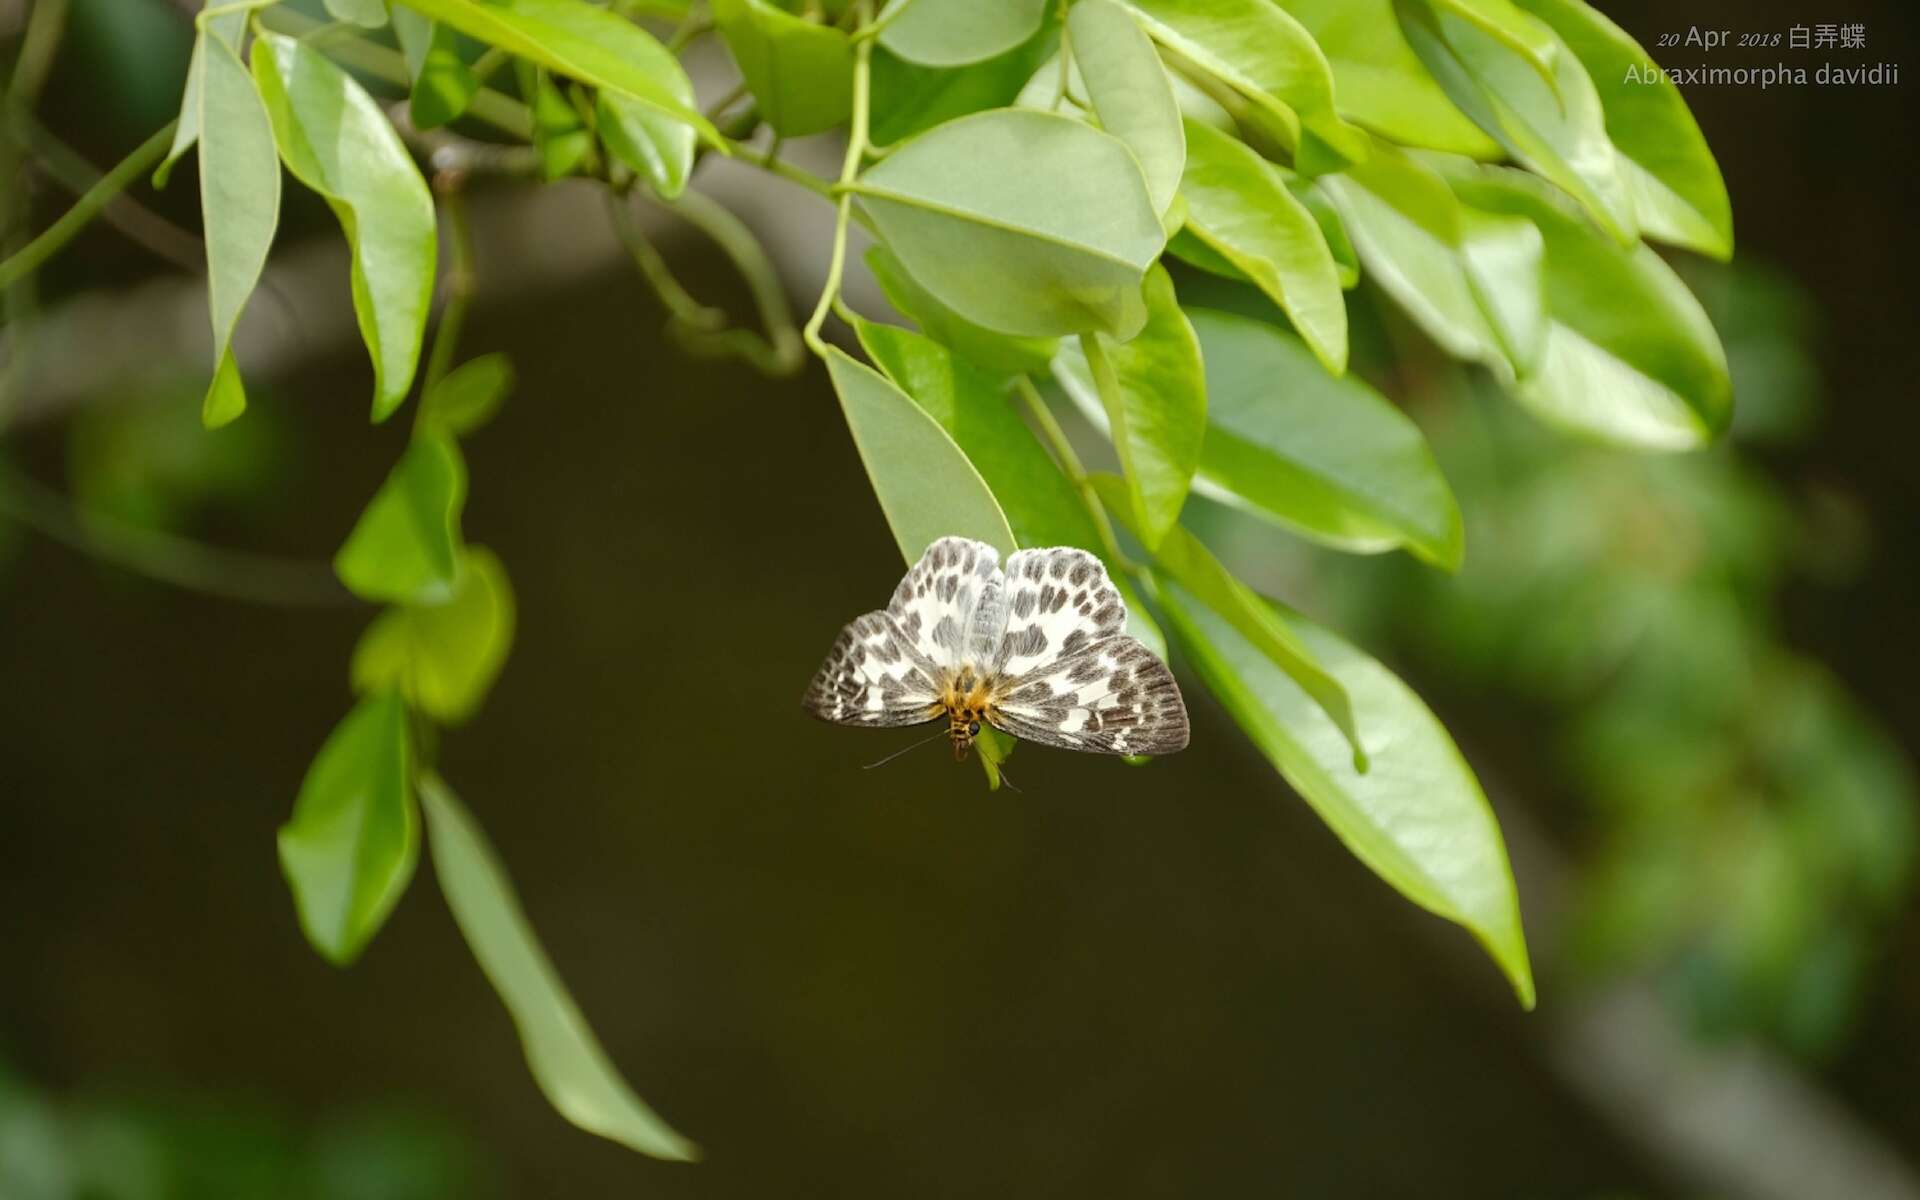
column 1130, row 93
column 406, row 546
column 909, row 98
column 368, row 14
column 996, row 352
column 658, row 148
column 442, row 657
column 227, row 27
column 949, row 33
column 239, row 208
column 468, row 396
column 800, row 71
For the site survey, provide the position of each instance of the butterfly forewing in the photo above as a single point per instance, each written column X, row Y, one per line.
column 936, row 605
column 873, row 676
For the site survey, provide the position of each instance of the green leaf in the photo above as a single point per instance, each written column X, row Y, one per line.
column 560, row 135
column 995, row 352
column 368, row 14
column 950, row 33
column 1629, row 357
column 1503, row 257
column 350, row 849
column 925, row 485
column 405, row 549
column 576, row 39
column 1241, row 208
column 1042, row 507
column 992, row 748
column 336, row 140
column 657, row 148
column 1130, row 92
column 1255, row 48
column 1555, row 127
column 1024, row 222
column 468, row 396
column 1678, row 195
column 239, row 209
column 1417, row 817
column 1328, row 458
column 1406, row 227
column 442, row 657
column 567, row 1061
column 1153, row 390
column 228, row 28
column 442, row 82
column 800, row 71
column 909, row 98
column 1183, row 557
column 1380, row 83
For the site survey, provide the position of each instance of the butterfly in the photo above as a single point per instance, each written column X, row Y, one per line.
column 1037, row 649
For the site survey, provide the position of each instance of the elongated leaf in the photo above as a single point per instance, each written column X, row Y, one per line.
column 580, row 41
column 468, row 396
column 442, row 657
column 949, row 33
column 368, row 14
column 227, row 27
column 239, row 209
column 336, row 140
column 1154, row 392
column 1629, row 357
column 1503, row 257
column 925, row 485
column 1241, row 208
column 909, row 98
column 567, row 1060
column 995, row 352
column 1380, row 83
column 1254, row 47
column 658, row 148
column 1023, row 222
column 560, row 134
column 442, row 82
column 1186, row 560
column 1043, row 508
column 1417, row 816
column 1130, row 92
column 1328, row 458
column 350, row 849
column 1678, row 195
column 800, row 71
column 405, row 548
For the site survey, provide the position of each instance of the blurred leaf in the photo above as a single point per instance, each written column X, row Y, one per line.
column 336, row 139
column 146, row 460
column 658, row 148
column 993, row 351
column 442, row 657
column 405, row 549
column 559, row 132
column 1675, row 185
column 368, row 14
column 239, row 209
column 350, row 849
column 227, row 28
column 1130, row 92
column 909, row 98
column 800, row 71
column 925, row 485
column 1240, row 208
column 1503, row 257
column 1258, row 50
column 1026, row 223
column 1154, row 392
column 467, row 396
column 576, row 39
column 951, row 33
column 442, row 83
column 567, row 1060
column 1417, row 817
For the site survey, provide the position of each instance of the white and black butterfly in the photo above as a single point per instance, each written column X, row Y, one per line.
column 1038, row 650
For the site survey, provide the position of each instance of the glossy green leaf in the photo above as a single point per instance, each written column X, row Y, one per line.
column 1406, row 227
column 949, row 33
column 560, row 134
column 800, row 71
column 442, row 657
column 658, row 148
column 336, row 140
column 239, row 209
column 368, row 14
column 1380, row 83
column 1240, row 207
column 1417, row 816
column 468, row 396
column 350, row 849
column 1153, row 390
column 996, row 352
column 926, row 487
column 1255, row 48
column 580, row 41
column 1504, row 261
column 1187, row 561
column 1557, row 128
column 909, row 98
column 1026, row 223
column 1043, row 508
column 1678, row 194
column 1501, row 21
column 405, row 549
column 442, row 82
column 227, row 27
column 1629, row 355
column 1130, row 92
column 567, row 1061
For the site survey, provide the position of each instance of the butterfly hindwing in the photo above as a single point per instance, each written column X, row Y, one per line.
column 873, row 676
column 1111, row 696
column 936, row 605
column 1058, row 601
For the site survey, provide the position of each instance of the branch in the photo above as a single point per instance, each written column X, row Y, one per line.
column 89, row 206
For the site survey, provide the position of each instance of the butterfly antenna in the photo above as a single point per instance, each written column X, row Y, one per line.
column 902, row 750
column 1011, row 785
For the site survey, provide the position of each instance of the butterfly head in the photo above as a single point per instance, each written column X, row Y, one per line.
column 965, row 700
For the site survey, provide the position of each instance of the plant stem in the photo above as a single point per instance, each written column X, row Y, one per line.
column 849, row 169
column 1063, row 453
column 653, row 268
column 84, row 210
column 130, row 217
column 784, row 347
column 45, row 24
column 460, row 281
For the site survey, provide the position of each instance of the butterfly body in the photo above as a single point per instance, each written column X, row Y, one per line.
column 1037, row 650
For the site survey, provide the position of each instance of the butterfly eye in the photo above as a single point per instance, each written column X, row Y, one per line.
column 973, row 729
